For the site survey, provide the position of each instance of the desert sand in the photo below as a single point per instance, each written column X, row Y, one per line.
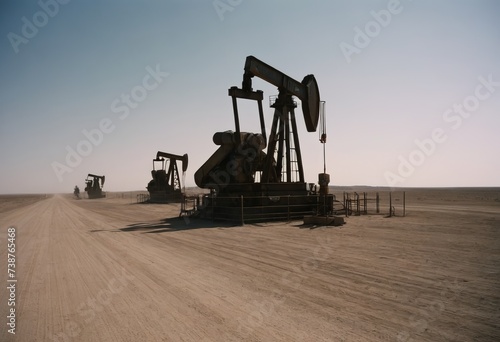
column 113, row 270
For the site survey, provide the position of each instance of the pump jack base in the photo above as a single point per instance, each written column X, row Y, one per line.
column 335, row 221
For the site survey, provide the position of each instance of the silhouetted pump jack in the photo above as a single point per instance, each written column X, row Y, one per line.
column 166, row 185
column 92, row 186
column 272, row 181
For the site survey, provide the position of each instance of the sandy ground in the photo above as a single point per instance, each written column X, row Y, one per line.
column 112, row 270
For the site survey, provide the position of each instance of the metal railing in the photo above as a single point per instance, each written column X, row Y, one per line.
column 246, row 209
column 142, row 198
column 393, row 203
column 250, row 209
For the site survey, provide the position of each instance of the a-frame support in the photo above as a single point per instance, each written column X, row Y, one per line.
column 283, row 129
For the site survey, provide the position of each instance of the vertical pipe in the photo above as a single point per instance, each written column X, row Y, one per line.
column 322, row 133
column 348, row 202
column 324, row 158
column 390, row 204
column 345, row 204
column 365, row 204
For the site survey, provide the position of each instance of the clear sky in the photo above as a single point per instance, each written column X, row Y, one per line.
column 412, row 88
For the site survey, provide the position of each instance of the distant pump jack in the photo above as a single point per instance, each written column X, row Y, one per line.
column 166, row 185
column 93, row 188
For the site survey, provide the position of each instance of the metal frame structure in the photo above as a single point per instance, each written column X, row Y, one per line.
column 166, row 185
column 92, row 187
column 231, row 171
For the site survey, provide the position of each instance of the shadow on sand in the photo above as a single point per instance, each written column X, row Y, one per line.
column 174, row 224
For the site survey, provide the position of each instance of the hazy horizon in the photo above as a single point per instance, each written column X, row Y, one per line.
column 412, row 89
column 379, row 188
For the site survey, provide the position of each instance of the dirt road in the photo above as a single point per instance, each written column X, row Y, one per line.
column 110, row 270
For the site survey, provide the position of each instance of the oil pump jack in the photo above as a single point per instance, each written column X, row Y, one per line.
column 166, row 184
column 241, row 169
column 94, row 190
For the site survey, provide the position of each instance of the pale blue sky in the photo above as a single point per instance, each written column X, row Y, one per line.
column 427, row 58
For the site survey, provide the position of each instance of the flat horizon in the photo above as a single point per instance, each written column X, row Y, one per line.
column 340, row 187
